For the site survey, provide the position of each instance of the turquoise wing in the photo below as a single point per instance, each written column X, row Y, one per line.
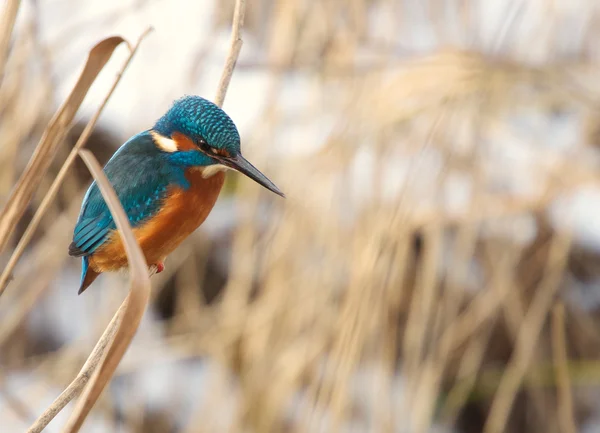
column 140, row 175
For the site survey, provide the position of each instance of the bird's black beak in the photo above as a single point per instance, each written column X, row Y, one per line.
column 241, row 164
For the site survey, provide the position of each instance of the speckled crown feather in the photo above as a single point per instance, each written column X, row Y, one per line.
column 199, row 118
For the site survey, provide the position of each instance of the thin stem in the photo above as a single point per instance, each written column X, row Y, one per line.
column 78, row 384
column 528, row 335
column 234, row 51
column 566, row 418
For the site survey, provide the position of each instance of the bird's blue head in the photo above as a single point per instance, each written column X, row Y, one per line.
column 197, row 133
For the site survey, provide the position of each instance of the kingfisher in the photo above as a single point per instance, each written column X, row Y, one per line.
column 167, row 179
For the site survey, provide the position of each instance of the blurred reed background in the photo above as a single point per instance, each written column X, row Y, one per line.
column 435, row 267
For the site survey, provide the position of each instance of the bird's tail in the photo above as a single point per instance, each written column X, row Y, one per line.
column 88, row 275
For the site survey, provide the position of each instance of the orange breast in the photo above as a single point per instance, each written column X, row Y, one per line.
column 183, row 211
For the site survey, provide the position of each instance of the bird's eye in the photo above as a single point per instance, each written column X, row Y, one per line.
column 204, row 146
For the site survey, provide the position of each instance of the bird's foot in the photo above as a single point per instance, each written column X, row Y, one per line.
column 156, row 268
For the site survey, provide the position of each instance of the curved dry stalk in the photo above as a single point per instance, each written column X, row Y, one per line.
column 119, row 333
column 51, row 194
column 76, row 386
column 528, row 335
column 566, row 416
column 55, row 132
column 133, row 306
column 234, row 51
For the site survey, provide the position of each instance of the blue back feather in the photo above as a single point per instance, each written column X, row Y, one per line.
column 140, row 174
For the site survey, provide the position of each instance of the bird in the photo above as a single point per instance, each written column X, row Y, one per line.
column 167, row 179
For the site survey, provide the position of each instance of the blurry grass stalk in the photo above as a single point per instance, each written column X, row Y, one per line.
column 528, row 335
column 133, row 306
column 513, row 308
column 53, row 135
column 559, row 349
column 56, row 184
column 79, row 382
column 234, row 51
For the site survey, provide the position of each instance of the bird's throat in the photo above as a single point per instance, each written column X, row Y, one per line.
column 211, row 170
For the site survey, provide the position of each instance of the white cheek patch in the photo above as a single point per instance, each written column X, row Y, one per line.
column 211, row 170
column 164, row 143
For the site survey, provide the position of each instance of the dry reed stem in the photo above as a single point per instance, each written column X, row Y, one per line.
column 134, row 305
column 566, row 417
column 97, row 354
column 56, row 184
column 53, row 135
column 7, row 24
column 351, row 333
column 240, row 275
column 504, row 282
column 75, row 387
column 435, row 366
column 234, row 51
column 480, row 310
column 528, row 335
column 419, row 323
column 466, row 378
column 513, row 307
column 421, row 311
